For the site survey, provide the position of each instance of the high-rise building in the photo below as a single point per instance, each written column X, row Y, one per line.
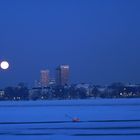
column 44, row 78
column 62, row 75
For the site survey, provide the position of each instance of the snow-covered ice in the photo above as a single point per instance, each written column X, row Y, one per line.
column 100, row 119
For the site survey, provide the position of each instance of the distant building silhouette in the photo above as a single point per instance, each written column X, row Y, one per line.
column 62, row 75
column 44, row 81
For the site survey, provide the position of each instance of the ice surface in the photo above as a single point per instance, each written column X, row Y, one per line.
column 100, row 119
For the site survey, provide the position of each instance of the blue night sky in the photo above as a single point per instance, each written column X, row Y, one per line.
column 99, row 39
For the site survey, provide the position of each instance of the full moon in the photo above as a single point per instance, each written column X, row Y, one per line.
column 4, row 65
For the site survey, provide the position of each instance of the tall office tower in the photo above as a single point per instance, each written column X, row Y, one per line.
column 44, row 78
column 62, row 75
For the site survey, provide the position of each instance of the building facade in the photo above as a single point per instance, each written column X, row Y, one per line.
column 62, row 75
column 45, row 78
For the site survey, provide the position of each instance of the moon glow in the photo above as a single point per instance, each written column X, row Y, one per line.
column 4, row 65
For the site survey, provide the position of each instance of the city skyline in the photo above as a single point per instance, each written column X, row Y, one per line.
column 61, row 76
column 49, row 76
column 99, row 39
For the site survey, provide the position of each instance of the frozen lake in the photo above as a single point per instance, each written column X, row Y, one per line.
column 101, row 119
